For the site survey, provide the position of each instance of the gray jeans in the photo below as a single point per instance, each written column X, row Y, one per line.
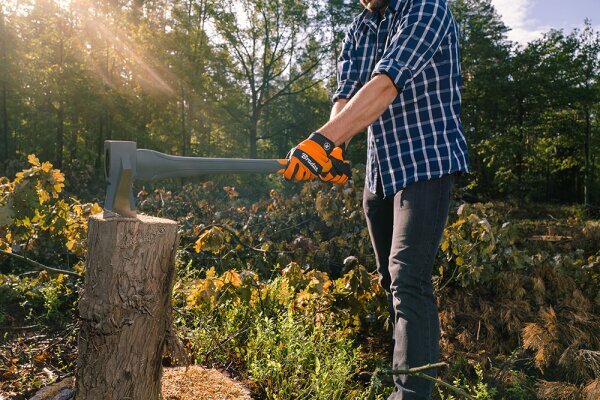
column 406, row 230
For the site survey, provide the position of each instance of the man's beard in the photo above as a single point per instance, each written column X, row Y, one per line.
column 375, row 6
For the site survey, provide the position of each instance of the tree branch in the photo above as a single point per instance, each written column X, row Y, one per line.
column 41, row 266
column 419, row 373
column 239, row 240
column 293, row 80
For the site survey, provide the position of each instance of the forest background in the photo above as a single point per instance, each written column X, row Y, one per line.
column 251, row 78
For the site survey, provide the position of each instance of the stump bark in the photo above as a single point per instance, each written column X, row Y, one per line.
column 125, row 308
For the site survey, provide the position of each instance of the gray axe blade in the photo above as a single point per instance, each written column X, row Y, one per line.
column 124, row 163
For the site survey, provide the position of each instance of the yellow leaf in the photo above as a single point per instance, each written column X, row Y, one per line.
column 6, row 248
column 71, row 243
column 96, row 209
column 210, row 240
column 58, row 176
column 445, row 245
column 46, row 166
column 33, row 160
column 459, row 261
column 43, row 195
column 58, row 187
column 211, row 273
column 233, row 278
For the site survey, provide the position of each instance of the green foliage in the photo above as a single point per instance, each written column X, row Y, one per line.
column 35, row 219
column 37, row 300
column 477, row 245
column 478, row 390
column 326, row 227
column 291, row 359
column 292, row 334
column 259, row 79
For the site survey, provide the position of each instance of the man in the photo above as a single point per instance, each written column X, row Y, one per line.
column 399, row 75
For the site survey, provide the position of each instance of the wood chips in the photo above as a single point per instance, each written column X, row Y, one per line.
column 197, row 383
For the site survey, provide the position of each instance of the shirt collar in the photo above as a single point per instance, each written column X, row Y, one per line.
column 395, row 5
column 372, row 19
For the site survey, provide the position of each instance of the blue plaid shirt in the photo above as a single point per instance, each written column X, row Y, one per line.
column 420, row 135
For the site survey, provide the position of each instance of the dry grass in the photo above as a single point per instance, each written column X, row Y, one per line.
column 558, row 391
column 592, row 390
column 544, row 313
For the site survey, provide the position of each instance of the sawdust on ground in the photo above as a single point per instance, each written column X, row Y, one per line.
column 197, row 383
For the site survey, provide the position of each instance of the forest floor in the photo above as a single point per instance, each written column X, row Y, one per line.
column 51, row 358
column 178, row 383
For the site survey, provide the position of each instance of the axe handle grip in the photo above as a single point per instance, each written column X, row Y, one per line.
column 152, row 165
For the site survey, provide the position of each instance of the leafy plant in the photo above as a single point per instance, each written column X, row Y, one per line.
column 478, row 390
column 34, row 218
column 477, row 245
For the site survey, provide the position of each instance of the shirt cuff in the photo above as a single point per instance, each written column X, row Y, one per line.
column 399, row 74
column 345, row 91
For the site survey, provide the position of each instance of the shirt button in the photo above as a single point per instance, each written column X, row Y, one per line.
column 379, row 51
column 377, row 140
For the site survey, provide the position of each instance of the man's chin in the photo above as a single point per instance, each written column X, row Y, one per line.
column 375, row 6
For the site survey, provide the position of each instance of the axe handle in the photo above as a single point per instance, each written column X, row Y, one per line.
column 152, row 165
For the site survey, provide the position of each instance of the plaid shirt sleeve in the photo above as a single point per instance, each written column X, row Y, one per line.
column 418, row 38
column 347, row 70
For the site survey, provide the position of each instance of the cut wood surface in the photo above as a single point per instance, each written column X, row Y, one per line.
column 125, row 307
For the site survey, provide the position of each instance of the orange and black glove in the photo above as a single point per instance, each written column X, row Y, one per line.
column 309, row 159
column 340, row 170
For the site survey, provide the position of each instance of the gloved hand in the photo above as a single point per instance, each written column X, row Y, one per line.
column 309, row 159
column 340, row 171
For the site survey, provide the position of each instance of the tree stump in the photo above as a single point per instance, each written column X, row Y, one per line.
column 125, row 308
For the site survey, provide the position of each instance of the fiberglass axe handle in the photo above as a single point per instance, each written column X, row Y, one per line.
column 152, row 165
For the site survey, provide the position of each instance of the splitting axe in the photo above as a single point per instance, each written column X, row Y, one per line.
column 124, row 163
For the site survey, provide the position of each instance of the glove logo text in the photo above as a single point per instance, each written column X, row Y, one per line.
column 310, row 162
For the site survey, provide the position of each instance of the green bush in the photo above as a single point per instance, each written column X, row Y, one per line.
column 479, row 389
column 293, row 359
column 37, row 300
column 293, row 335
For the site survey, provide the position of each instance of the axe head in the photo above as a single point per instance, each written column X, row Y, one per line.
column 120, row 160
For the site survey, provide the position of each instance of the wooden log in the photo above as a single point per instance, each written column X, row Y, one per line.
column 125, row 308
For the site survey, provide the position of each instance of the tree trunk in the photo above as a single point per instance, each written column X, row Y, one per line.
column 73, row 145
column 184, row 138
column 59, row 136
column 60, row 113
column 125, row 307
column 3, row 54
column 587, row 166
column 5, row 120
column 253, row 134
column 100, row 143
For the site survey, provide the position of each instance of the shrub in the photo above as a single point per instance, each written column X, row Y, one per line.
column 291, row 358
column 36, row 221
column 293, row 334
